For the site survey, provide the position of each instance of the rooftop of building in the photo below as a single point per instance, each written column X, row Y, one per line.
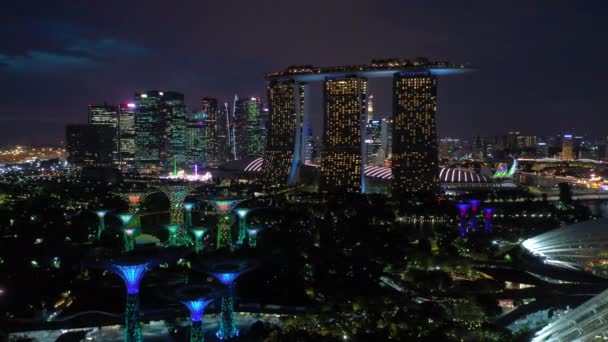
column 376, row 68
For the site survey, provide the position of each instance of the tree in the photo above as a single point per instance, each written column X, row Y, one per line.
column 565, row 193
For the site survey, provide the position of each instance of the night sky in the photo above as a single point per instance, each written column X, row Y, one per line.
column 542, row 64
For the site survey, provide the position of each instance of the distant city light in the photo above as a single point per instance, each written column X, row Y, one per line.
column 143, row 96
column 131, row 105
column 161, row 93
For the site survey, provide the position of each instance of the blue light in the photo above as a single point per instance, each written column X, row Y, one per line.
column 242, row 212
column 125, row 218
column 131, row 275
column 101, row 213
column 197, row 308
column 188, row 206
column 226, row 278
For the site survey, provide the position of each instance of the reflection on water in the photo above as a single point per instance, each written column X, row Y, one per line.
column 597, row 207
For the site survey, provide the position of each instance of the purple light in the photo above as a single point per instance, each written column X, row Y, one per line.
column 253, row 231
column 131, row 275
column 226, row 278
column 197, row 308
column 131, row 105
column 474, row 205
column 488, row 212
column 463, row 209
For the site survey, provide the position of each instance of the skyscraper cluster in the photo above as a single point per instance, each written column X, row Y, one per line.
column 156, row 132
column 352, row 136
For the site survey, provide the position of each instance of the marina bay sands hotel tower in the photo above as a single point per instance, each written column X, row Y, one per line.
column 414, row 150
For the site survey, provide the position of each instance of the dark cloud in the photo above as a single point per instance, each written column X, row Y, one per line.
column 43, row 61
column 105, row 47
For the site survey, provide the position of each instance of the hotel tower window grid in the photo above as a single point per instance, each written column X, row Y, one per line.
column 286, row 104
column 344, row 116
column 414, row 152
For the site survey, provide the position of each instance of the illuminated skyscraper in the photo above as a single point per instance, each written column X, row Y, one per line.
column 172, row 144
column 106, row 116
column 370, row 108
column 374, row 154
column 415, row 156
column 148, row 122
column 248, row 128
column 286, row 110
column 126, row 132
column 214, row 139
column 195, row 140
column 343, row 139
column 386, row 128
column 567, row 147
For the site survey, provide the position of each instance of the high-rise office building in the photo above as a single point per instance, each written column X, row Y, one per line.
column 196, row 140
column 90, row 144
column 386, row 128
column 286, row 105
column 107, row 116
column 567, row 147
column 374, row 154
column 415, row 159
column 148, row 124
column 126, row 135
column 214, row 139
column 173, row 139
column 248, row 128
column 370, row 108
column 344, row 121
column 160, row 126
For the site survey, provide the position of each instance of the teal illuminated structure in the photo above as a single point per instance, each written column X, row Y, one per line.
column 226, row 272
column 199, row 232
column 196, row 298
column 172, row 240
column 223, row 208
column 129, row 232
column 242, row 214
column 252, row 233
column 177, row 193
column 134, row 198
column 188, row 207
column 101, row 214
column 132, row 275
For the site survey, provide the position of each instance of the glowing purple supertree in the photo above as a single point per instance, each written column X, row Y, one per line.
column 487, row 215
column 132, row 275
column 462, row 212
column 474, row 211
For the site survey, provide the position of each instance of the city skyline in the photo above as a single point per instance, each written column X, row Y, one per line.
column 57, row 66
